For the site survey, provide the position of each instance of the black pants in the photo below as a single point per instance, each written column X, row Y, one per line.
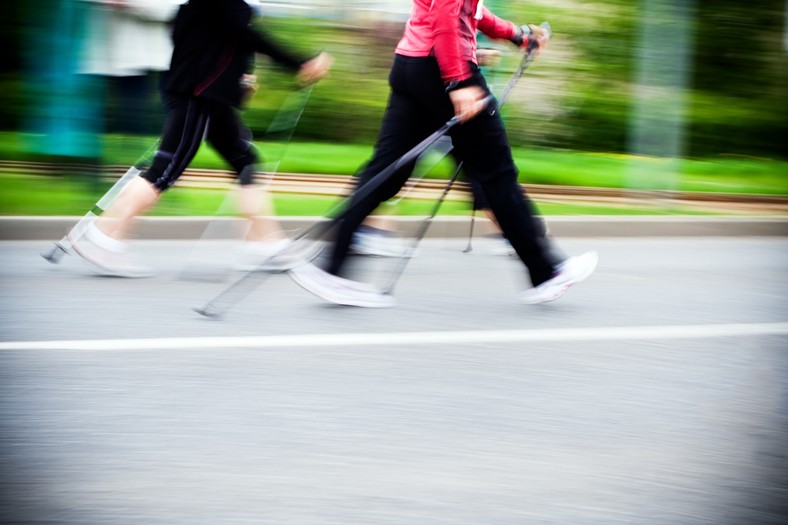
column 189, row 119
column 418, row 105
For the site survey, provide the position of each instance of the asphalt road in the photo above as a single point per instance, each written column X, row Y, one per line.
column 654, row 393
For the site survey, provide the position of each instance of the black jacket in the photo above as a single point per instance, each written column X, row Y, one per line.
column 214, row 45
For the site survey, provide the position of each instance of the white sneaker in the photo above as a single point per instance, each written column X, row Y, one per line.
column 504, row 248
column 338, row 290
column 277, row 256
column 259, row 255
column 118, row 262
column 570, row 272
column 377, row 242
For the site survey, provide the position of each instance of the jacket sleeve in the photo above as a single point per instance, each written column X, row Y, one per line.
column 235, row 21
column 444, row 16
column 496, row 28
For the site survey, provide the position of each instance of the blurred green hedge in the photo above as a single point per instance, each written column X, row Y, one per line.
column 578, row 95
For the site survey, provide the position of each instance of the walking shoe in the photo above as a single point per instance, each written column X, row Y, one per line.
column 276, row 256
column 338, row 290
column 118, row 262
column 570, row 272
column 376, row 241
column 504, row 248
column 259, row 255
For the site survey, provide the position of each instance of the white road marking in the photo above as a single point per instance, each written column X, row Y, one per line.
column 414, row 338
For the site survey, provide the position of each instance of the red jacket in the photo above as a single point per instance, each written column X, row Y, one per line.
column 447, row 29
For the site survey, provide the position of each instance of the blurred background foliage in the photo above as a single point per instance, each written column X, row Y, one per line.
column 578, row 96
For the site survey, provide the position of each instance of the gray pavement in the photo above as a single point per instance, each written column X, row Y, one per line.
column 654, row 393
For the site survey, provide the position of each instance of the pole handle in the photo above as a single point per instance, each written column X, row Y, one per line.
column 533, row 45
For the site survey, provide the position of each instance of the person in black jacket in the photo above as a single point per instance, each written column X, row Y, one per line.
column 214, row 46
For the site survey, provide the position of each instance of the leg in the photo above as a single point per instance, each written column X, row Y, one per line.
column 103, row 243
column 483, row 147
column 411, row 115
column 482, row 144
column 135, row 199
column 402, row 128
column 229, row 137
column 257, row 206
column 181, row 138
column 552, row 252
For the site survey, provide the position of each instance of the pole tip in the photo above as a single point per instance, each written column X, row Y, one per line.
column 208, row 312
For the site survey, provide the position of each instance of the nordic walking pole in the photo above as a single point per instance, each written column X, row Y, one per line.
column 64, row 245
column 442, row 148
column 403, row 261
column 469, row 248
column 287, row 121
column 529, row 57
column 245, row 284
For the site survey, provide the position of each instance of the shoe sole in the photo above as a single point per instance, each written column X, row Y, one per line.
column 336, row 299
column 272, row 267
column 374, row 253
column 560, row 291
column 284, row 260
column 111, row 272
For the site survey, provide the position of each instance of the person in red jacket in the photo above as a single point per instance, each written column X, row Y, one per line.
column 435, row 77
column 214, row 45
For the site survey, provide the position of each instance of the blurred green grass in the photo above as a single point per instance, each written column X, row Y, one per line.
column 41, row 196
column 73, row 195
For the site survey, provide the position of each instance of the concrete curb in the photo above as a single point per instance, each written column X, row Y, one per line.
column 153, row 228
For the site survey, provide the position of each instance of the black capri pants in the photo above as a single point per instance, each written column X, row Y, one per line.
column 417, row 106
column 189, row 120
